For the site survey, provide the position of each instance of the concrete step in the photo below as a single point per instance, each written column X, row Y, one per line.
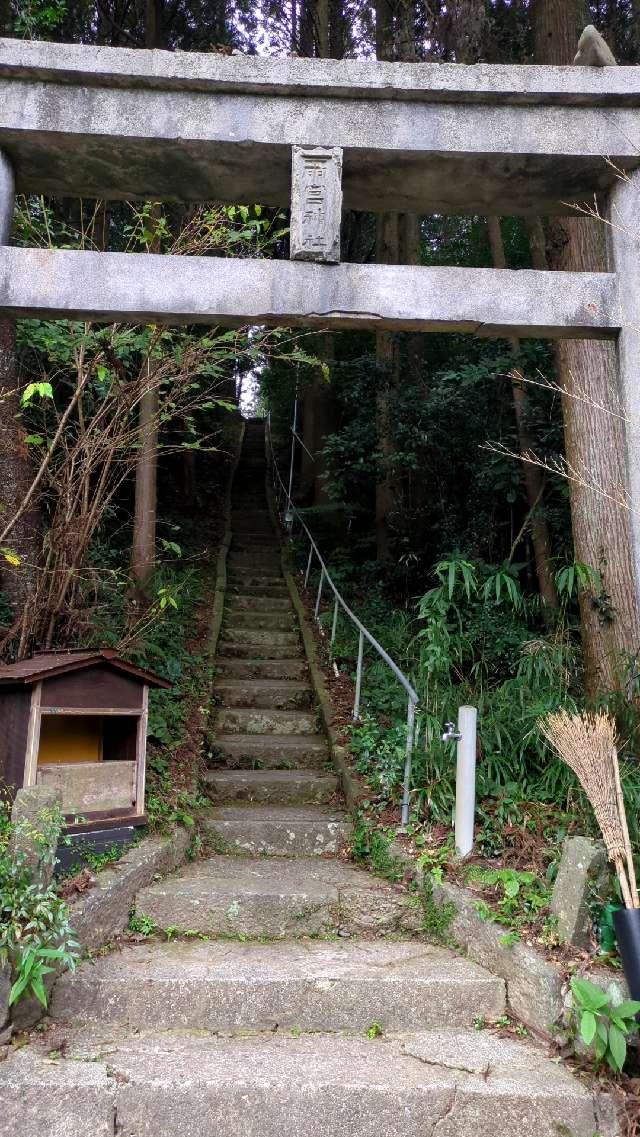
column 288, row 787
column 254, row 547
column 265, row 590
column 251, row 524
column 272, row 751
column 315, row 986
column 246, row 581
column 254, row 531
column 243, row 565
column 181, row 1083
column 262, row 720
column 278, row 831
column 263, row 668
column 276, row 897
column 277, row 694
column 267, row 636
column 281, row 621
column 258, row 604
column 258, row 650
column 268, row 560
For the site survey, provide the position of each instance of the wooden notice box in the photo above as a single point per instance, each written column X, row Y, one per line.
column 77, row 720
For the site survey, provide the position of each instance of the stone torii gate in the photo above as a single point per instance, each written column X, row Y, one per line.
column 121, row 123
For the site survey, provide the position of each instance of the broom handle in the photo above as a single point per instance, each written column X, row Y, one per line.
column 635, row 903
column 624, row 884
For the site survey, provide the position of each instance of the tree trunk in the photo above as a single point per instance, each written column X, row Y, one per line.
column 144, row 521
column 6, row 18
column 384, row 30
column 16, row 467
column 388, row 241
column 397, row 242
column 16, row 476
column 635, row 31
column 468, row 28
column 143, row 557
column 533, row 476
column 153, row 23
column 308, row 435
column 557, row 27
column 594, row 441
column 324, row 417
column 318, row 417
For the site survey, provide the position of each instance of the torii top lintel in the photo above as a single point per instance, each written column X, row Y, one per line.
column 122, row 123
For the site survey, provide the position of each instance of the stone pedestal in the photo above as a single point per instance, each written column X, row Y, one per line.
column 35, row 830
column 583, row 862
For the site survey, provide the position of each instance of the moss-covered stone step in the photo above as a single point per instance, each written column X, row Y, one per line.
column 262, row 668
column 281, row 621
column 277, row 830
column 241, row 650
column 277, row 897
column 254, row 581
column 255, row 544
column 234, row 633
column 250, row 532
column 257, row 604
column 272, row 751
column 244, row 564
column 177, row 1083
column 259, row 589
column 315, row 986
column 262, row 720
column 292, row 787
column 277, row 694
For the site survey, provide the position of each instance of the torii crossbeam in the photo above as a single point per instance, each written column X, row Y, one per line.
column 316, row 135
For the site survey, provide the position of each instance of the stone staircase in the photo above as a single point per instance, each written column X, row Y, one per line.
column 292, row 992
column 273, row 790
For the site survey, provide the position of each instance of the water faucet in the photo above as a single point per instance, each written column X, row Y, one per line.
column 451, row 733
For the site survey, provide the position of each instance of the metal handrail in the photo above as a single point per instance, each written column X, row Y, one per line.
column 364, row 634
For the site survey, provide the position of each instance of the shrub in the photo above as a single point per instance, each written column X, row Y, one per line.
column 34, row 921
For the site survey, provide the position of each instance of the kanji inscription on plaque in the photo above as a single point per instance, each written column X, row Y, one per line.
column 316, row 204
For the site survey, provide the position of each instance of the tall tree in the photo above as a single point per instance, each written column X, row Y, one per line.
column 16, row 469
column 533, row 475
column 594, row 441
column 322, row 37
column 467, row 29
column 397, row 242
column 143, row 552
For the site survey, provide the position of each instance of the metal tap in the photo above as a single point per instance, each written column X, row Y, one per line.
column 451, row 733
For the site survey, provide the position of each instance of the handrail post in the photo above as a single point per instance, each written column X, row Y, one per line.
column 408, row 763
column 334, row 624
column 319, row 596
column 356, row 705
column 306, row 575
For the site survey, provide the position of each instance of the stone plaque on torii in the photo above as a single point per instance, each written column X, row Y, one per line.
column 317, row 134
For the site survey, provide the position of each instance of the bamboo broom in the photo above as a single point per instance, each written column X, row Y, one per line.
column 587, row 743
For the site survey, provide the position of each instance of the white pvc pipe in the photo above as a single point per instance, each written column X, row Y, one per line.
column 466, row 780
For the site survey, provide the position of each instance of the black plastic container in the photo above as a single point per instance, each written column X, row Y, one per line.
column 627, row 925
